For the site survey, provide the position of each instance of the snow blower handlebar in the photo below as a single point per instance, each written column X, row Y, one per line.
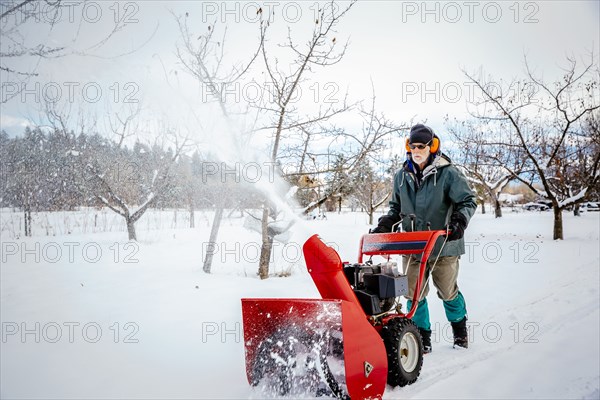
column 421, row 242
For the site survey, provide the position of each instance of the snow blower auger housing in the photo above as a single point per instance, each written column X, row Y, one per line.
column 350, row 343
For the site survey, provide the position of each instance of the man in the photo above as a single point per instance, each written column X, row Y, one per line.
column 436, row 192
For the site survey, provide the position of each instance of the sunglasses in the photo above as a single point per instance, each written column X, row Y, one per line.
column 418, row 146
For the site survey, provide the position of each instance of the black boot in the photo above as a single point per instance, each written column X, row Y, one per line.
column 426, row 336
column 461, row 334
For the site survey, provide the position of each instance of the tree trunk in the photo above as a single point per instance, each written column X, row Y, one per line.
column 558, row 225
column 267, row 245
column 497, row 209
column 340, row 205
column 371, row 216
column 483, row 206
column 576, row 211
column 265, row 255
column 192, row 222
column 27, row 215
column 131, row 228
column 212, row 241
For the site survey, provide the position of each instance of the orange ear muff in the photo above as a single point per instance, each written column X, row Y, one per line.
column 406, row 145
column 435, row 145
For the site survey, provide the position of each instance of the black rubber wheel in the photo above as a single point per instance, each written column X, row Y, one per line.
column 404, row 348
column 292, row 361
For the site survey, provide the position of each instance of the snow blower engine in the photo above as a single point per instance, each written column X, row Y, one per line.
column 353, row 340
column 376, row 286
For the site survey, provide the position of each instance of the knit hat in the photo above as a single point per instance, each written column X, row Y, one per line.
column 421, row 134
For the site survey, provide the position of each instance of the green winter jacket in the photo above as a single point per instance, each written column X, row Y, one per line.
column 443, row 190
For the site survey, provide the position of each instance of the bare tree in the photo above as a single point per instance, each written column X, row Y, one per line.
column 25, row 43
column 142, row 176
column 321, row 50
column 543, row 120
column 202, row 56
column 357, row 149
column 487, row 164
column 25, row 159
column 584, row 159
column 126, row 180
column 370, row 189
column 125, row 124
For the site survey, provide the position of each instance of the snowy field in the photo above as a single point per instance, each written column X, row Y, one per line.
column 91, row 220
column 89, row 315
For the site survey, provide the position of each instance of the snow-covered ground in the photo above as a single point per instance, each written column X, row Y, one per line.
column 89, row 315
column 91, row 220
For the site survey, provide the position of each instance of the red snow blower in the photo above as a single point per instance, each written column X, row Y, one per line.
column 355, row 339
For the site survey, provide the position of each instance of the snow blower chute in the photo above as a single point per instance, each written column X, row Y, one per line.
column 355, row 339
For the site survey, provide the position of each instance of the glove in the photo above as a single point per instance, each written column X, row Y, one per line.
column 457, row 225
column 384, row 224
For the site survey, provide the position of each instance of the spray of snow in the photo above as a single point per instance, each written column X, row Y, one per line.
column 239, row 150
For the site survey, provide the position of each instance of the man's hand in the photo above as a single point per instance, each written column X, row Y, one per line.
column 457, row 225
column 384, row 225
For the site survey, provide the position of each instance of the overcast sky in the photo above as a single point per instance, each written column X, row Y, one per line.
column 412, row 51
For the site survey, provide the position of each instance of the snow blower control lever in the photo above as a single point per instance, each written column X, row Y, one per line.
column 349, row 343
